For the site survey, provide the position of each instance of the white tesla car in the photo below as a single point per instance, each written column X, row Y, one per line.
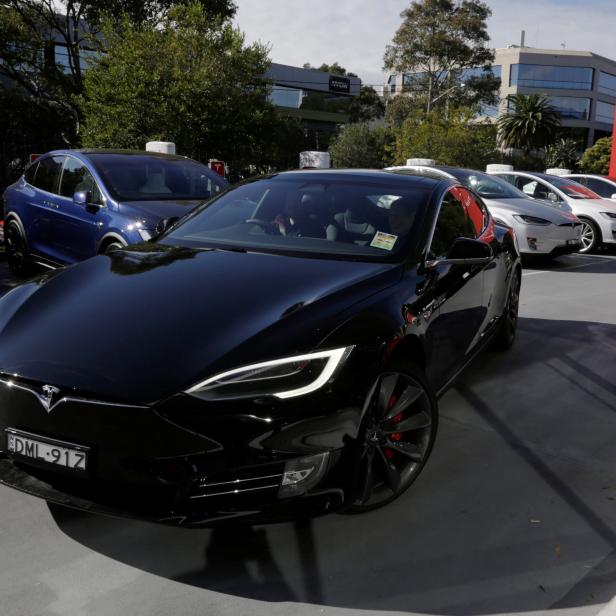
column 541, row 229
column 598, row 215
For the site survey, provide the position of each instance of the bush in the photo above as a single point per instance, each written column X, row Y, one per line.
column 360, row 146
column 596, row 159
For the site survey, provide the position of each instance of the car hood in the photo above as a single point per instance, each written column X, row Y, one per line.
column 140, row 325
column 154, row 211
column 530, row 207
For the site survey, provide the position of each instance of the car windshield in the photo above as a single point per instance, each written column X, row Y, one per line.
column 489, row 186
column 324, row 215
column 571, row 188
column 136, row 177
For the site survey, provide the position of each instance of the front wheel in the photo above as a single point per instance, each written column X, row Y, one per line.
column 590, row 236
column 397, row 436
column 17, row 254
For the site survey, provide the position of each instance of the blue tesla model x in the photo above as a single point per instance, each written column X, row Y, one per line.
column 72, row 204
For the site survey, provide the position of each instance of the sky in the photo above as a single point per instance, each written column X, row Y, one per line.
column 354, row 33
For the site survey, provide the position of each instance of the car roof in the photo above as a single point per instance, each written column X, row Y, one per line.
column 414, row 177
column 88, row 151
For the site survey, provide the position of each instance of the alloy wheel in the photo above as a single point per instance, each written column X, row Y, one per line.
column 399, row 432
column 587, row 236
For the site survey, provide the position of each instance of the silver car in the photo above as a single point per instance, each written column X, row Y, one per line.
column 598, row 215
column 541, row 229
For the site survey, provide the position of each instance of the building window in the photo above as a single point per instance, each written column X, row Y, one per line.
column 281, row 96
column 605, row 112
column 565, row 106
column 391, row 83
column 61, row 58
column 607, row 83
column 571, row 107
column 551, row 77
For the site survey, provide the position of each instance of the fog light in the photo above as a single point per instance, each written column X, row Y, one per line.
column 532, row 243
column 301, row 474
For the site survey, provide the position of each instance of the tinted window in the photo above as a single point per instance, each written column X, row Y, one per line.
column 48, row 173
column 135, row 177
column 603, row 189
column 30, row 172
column 75, row 178
column 325, row 215
column 454, row 221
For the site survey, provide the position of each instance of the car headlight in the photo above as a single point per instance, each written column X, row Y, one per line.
column 282, row 378
column 609, row 215
column 531, row 220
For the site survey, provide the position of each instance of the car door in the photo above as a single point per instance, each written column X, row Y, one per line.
column 77, row 227
column 42, row 205
column 459, row 309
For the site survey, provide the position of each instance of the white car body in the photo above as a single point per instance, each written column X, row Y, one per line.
column 540, row 229
column 604, row 186
column 598, row 215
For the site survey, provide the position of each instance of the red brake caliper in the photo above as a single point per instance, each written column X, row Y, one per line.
column 396, row 436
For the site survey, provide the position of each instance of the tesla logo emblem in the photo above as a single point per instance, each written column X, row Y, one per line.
column 47, row 396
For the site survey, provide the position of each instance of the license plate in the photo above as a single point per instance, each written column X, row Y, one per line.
column 41, row 449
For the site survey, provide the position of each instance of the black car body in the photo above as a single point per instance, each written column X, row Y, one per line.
column 136, row 358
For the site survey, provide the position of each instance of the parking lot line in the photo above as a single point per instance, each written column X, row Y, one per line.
column 565, row 269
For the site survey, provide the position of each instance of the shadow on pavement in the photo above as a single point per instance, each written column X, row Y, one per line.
column 515, row 512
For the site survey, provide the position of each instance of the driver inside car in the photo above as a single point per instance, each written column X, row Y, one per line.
column 302, row 217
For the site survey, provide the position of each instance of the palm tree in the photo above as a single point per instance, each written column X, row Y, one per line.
column 532, row 123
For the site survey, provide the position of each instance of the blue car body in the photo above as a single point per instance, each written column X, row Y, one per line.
column 59, row 229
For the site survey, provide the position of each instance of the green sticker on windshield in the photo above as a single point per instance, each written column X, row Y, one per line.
column 382, row 240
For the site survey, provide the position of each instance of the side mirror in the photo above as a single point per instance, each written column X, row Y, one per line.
column 465, row 251
column 82, row 197
column 553, row 197
column 613, row 196
column 164, row 224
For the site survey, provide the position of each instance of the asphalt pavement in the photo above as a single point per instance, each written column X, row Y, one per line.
column 515, row 512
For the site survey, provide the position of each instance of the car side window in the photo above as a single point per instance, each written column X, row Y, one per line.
column 453, row 222
column 48, row 173
column 603, row 189
column 30, row 172
column 75, row 178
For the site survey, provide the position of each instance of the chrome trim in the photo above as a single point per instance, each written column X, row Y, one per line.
column 50, row 407
column 236, row 491
column 236, row 481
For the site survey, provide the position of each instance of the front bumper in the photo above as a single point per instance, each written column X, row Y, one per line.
column 184, row 462
column 550, row 240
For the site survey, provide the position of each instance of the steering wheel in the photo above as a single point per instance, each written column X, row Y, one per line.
column 270, row 228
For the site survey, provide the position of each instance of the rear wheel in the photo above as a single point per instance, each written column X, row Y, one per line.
column 590, row 236
column 509, row 320
column 397, row 435
column 17, row 254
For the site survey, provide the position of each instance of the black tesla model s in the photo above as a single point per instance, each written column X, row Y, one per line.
column 276, row 353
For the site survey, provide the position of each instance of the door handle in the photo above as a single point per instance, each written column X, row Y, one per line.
column 51, row 204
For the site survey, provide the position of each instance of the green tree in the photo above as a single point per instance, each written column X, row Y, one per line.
column 360, row 146
column 32, row 32
column 190, row 80
column 457, row 139
column 437, row 41
column 562, row 153
column 531, row 124
column 596, row 159
column 367, row 106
